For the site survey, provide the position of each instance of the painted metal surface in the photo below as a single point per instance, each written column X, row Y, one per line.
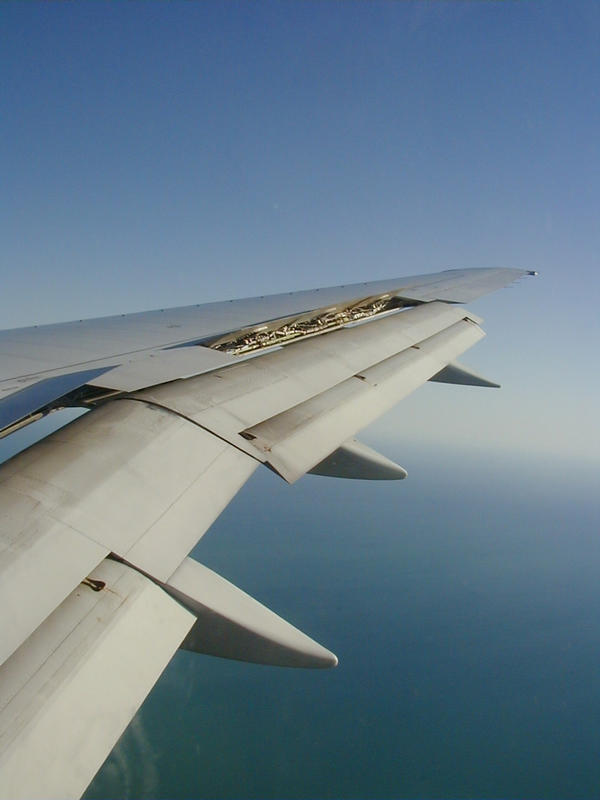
column 28, row 400
column 69, row 692
column 298, row 439
column 127, row 478
column 132, row 346
column 463, row 376
column 145, row 483
column 33, row 353
column 231, row 624
column 230, row 400
column 358, row 461
column 41, row 560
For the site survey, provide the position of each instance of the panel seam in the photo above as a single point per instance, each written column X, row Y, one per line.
column 188, row 419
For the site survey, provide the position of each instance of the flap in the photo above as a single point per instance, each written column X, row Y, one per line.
column 126, row 477
column 296, row 440
column 110, row 638
column 235, row 398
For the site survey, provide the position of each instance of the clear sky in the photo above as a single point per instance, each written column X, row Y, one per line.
column 161, row 154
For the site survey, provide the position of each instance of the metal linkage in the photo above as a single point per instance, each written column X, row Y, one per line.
column 283, row 331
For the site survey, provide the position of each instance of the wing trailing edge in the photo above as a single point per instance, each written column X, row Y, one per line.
column 294, row 441
column 68, row 693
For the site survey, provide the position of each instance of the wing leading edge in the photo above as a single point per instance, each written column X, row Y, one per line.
column 107, row 509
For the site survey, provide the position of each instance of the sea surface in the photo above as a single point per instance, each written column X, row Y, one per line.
column 464, row 607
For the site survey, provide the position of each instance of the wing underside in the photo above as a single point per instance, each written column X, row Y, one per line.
column 97, row 520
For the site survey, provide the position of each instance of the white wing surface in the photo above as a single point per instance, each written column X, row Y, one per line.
column 38, row 365
column 69, row 692
column 97, row 520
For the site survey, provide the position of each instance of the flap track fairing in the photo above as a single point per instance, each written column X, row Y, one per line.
column 356, row 460
column 231, row 624
column 463, row 376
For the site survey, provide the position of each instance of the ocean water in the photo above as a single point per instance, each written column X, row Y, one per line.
column 464, row 607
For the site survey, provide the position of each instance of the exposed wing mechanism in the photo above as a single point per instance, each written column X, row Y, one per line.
column 97, row 520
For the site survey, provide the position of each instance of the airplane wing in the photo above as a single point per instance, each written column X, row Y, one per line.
column 97, row 519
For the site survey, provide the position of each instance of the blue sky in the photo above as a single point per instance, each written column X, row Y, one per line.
column 162, row 154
